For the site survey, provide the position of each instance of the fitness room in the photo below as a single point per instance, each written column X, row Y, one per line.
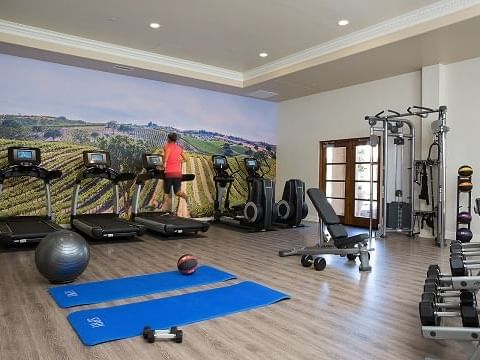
column 239, row 179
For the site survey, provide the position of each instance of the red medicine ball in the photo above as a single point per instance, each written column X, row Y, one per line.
column 187, row 264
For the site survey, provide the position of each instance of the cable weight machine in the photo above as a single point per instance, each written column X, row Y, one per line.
column 398, row 215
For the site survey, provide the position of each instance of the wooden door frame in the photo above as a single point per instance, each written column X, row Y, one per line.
column 349, row 178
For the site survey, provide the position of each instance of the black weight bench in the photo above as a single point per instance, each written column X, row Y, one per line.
column 344, row 245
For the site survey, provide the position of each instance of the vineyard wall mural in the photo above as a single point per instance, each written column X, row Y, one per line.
column 65, row 110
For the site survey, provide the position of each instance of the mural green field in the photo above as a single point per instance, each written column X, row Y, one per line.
column 23, row 196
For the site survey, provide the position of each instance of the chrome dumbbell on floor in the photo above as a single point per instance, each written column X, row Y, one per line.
column 151, row 335
column 318, row 262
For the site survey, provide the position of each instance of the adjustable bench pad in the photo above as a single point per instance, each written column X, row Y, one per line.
column 332, row 221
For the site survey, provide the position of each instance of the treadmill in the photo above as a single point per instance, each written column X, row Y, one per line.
column 25, row 161
column 109, row 225
column 163, row 222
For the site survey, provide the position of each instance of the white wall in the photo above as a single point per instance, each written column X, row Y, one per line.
column 463, row 140
column 337, row 114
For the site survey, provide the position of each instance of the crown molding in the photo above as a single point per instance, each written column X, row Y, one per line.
column 406, row 24
column 40, row 37
column 431, row 17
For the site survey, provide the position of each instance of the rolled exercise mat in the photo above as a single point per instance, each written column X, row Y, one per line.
column 106, row 290
column 97, row 326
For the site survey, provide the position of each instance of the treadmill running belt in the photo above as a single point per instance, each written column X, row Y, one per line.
column 106, row 222
column 171, row 219
column 30, row 227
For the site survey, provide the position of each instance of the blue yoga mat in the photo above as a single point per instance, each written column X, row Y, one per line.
column 107, row 290
column 119, row 322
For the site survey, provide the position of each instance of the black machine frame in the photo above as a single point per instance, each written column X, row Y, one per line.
column 258, row 213
column 439, row 129
column 111, row 225
column 165, row 223
column 27, row 229
column 292, row 209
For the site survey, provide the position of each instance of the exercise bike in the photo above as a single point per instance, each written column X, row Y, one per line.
column 259, row 212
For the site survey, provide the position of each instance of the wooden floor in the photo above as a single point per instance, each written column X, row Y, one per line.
column 339, row 313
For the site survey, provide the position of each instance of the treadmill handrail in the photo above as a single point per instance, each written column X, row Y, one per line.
column 151, row 174
column 100, row 173
column 154, row 174
column 34, row 171
column 107, row 173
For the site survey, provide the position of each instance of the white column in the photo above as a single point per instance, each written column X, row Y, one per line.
column 433, row 95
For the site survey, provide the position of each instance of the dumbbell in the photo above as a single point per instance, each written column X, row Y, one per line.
column 467, row 298
column 433, row 271
column 173, row 334
column 466, row 246
column 460, row 266
column 457, row 266
column 430, row 314
column 319, row 263
column 457, row 248
column 432, row 285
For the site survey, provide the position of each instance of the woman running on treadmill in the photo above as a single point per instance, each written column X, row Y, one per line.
column 173, row 156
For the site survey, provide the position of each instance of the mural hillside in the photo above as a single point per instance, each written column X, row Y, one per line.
column 65, row 110
column 62, row 142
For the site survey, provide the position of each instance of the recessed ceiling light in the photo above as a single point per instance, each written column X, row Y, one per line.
column 343, row 22
column 263, row 54
column 154, row 25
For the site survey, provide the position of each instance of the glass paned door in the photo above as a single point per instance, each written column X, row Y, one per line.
column 363, row 172
column 335, row 160
column 345, row 173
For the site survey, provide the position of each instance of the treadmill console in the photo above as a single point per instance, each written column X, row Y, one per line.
column 252, row 165
column 23, row 156
column 220, row 162
column 98, row 159
column 152, row 161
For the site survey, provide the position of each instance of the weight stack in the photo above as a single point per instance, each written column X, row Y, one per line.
column 399, row 215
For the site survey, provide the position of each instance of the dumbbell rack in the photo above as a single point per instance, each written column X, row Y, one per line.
column 461, row 179
column 449, row 287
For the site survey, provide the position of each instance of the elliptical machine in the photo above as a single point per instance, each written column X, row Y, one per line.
column 292, row 209
column 259, row 211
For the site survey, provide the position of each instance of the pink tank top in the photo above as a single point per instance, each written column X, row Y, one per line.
column 173, row 165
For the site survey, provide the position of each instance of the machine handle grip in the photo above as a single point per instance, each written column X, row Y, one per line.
column 54, row 174
column 126, row 176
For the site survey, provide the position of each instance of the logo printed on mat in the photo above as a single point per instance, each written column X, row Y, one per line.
column 95, row 322
column 70, row 293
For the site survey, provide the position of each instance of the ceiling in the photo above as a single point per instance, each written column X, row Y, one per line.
column 214, row 44
column 225, row 33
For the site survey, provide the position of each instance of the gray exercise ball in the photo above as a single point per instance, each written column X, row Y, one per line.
column 62, row 256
